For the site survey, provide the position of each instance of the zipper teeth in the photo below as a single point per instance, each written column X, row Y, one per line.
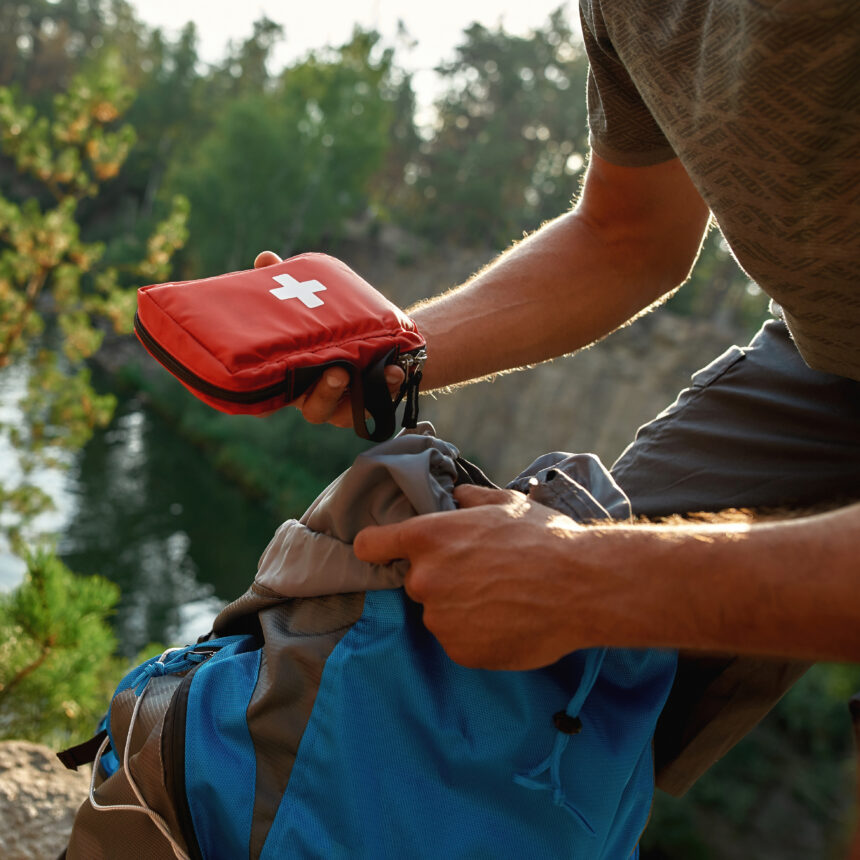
column 173, row 756
column 181, row 372
column 411, row 361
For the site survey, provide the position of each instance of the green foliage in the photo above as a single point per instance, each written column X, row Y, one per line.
column 511, row 137
column 245, row 69
column 284, row 166
column 75, row 148
column 49, row 272
column 57, row 668
column 799, row 764
column 44, row 43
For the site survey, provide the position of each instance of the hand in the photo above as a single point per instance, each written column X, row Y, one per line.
column 327, row 401
column 510, row 584
column 494, row 577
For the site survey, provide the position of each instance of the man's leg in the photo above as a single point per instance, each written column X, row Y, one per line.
column 756, row 428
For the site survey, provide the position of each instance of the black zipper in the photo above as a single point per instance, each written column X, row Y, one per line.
column 299, row 380
column 183, row 374
column 173, row 756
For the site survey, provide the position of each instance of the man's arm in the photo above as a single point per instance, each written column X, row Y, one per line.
column 509, row 584
column 631, row 239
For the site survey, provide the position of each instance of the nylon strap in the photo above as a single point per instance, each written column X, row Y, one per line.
column 368, row 393
column 84, row 753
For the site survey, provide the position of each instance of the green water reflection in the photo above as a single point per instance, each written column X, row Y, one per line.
column 152, row 515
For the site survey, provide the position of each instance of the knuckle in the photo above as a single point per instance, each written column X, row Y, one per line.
column 415, row 585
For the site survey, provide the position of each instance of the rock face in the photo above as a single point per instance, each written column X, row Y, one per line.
column 38, row 801
column 592, row 401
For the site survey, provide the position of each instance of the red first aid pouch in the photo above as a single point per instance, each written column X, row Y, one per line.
column 253, row 341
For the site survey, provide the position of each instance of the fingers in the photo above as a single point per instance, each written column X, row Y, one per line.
column 394, row 377
column 266, row 258
column 327, row 401
column 382, row 544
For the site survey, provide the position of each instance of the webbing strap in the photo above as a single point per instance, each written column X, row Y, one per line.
column 410, row 411
column 84, row 753
column 368, row 393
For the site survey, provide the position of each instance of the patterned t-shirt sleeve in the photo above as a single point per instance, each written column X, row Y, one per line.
column 622, row 129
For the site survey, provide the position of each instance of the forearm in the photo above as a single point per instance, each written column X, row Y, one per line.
column 632, row 239
column 788, row 588
column 546, row 297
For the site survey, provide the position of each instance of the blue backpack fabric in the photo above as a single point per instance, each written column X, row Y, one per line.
column 320, row 718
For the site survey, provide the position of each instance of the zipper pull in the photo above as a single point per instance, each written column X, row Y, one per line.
column 412, row 364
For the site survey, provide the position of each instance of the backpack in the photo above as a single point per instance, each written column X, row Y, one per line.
column 320, row 719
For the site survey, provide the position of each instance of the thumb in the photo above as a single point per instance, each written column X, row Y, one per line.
column 472, row 495
column 266, row 258
column 394, row 377
column 381, row 544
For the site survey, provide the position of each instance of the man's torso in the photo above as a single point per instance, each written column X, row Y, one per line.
column 761, row 102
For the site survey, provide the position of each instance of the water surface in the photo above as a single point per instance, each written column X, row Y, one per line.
column 145, row 508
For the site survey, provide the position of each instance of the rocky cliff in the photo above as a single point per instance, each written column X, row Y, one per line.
column 592, row 401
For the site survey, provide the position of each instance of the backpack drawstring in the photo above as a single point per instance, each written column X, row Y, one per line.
column 567, row 723
column 153, row 669
column 171, row 666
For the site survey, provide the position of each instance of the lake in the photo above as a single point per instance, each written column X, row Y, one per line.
column 144, row 508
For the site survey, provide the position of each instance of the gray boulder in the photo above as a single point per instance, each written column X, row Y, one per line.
column 38, row 801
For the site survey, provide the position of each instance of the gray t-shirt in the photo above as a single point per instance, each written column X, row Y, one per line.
column 760, row 99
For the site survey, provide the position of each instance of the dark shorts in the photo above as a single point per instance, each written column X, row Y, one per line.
column 756, row 427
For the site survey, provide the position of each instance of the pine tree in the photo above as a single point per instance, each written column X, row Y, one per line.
column 56, row 653
column 50, row 277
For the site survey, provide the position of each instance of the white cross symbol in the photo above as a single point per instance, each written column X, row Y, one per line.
column 303, row 290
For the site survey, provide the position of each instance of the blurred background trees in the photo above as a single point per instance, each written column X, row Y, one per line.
column 510, row 140
column 63, row 139
column 125, row 160
column 298, row 157
column 289, row 158
column 55, row 285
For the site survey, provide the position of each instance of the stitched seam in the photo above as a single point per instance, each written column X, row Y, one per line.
column 255, row 586
column 316, row 634
column 265, row 591
column 584, row 499
column 735, row 358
